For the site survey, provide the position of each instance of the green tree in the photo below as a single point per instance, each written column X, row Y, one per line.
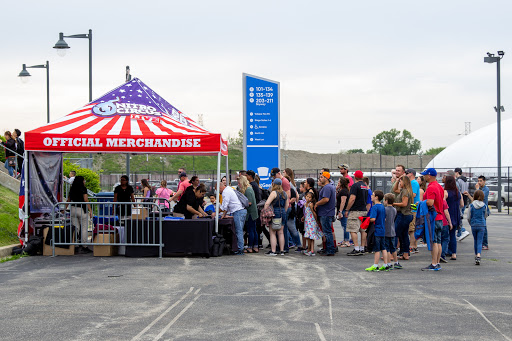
column 434, row 151
column 92, row 179
column 236, row 141
column 394, row 142
column 355, row 151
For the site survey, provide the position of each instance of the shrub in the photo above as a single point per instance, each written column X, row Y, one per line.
column 92, row 179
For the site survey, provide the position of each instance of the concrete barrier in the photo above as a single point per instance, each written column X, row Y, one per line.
column 6, row 251
column 9, row 182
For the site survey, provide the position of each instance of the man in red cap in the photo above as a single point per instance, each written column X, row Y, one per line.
column 356, row 208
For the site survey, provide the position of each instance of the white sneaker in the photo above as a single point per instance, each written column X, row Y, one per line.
column 463, row 235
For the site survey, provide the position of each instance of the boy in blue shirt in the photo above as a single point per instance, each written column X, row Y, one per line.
column 210, row 209
column 378, row 217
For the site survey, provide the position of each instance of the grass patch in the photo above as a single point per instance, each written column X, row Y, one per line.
column 491, row 259
column 14, row 257
column 9, row 217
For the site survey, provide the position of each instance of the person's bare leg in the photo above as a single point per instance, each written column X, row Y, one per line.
column 280, row 236
column 273, row 240
column 376, row 257
column 353, row 235
column 363, row 238
column 385, row 254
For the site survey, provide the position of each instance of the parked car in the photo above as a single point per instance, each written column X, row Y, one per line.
column 506, row 196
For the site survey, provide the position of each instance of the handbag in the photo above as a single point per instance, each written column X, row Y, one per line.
column 277, row 222
column 242, row 198
column 11, row 161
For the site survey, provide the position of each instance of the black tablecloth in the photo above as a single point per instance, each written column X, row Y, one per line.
column 188, row 236
column 228, row 231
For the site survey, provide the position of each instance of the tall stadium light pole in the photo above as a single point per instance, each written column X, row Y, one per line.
column 491, row 58
column 24, row 74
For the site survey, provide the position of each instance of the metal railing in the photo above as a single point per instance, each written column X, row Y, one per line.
column 113, row 224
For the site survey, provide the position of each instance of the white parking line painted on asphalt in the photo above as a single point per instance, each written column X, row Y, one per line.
column 175, row 319
column 197, row 291
column 319, row 332
column 136, row 337
column 486, row 319
column 330, row 314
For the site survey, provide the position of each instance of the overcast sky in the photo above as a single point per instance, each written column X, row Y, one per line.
column 348, row 69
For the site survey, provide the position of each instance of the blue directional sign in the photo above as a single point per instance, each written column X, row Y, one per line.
column 261, row 126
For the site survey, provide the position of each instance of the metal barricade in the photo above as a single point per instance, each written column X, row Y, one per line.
column 109, row 223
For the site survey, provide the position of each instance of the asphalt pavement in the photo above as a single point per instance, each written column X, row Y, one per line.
column 255, row 297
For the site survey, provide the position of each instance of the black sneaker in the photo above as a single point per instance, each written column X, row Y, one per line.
column 443, row 260
column 270, row 253
column 361, row 253
column 477, row 260
column 321, row 252
column 351, row 253
column 283, row 253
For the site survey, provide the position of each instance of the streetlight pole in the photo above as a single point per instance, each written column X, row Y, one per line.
column 491, row 58
column 62, row 46
column 24, row 74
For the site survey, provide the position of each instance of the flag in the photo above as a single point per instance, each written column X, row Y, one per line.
column 21, row 207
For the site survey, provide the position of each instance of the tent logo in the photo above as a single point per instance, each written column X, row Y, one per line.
column 114, row 107
column 106, row 109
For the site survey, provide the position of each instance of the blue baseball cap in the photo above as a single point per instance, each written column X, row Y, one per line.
column 429, row 171
column 278, row 182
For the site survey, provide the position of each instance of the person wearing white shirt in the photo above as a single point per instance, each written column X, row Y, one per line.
column 232, row 205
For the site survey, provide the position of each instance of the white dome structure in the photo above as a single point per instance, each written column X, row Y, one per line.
column 478, row 149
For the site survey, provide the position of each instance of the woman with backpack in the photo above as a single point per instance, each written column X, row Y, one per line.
column 279, row 202
column 252, row 214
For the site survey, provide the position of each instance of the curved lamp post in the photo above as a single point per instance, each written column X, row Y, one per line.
column 61, row 46
column 24, row 77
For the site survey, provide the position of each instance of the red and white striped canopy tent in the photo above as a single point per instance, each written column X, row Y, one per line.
column 129, row 119
column 132, row 118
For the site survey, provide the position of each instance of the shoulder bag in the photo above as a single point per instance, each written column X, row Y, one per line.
column 277, row 222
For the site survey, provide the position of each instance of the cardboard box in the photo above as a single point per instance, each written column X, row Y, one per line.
column 59, row 251
column 105, row 250
column 140, row 213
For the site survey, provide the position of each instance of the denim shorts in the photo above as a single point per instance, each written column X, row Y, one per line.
column 390, row 244
column 380, row 244
column 436, row 238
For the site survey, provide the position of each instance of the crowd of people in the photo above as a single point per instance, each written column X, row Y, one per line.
column 298, row 215
column 14, row 148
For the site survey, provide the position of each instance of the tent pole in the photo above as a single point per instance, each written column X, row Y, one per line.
column 228, row 176
column 217, row 205
column 128, row 167
column 27, row 199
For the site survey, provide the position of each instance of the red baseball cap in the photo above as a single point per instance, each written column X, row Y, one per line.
column 358, row 174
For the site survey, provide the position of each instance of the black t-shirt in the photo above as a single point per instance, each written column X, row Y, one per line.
column 360, row 190
column 344, row 192
column 257, row 191
column 124, row 194
column 78, row 196
column 188, row 198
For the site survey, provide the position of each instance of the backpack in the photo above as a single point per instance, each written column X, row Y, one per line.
column 242, row 198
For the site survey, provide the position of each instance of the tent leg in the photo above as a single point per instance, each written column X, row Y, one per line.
column 217, row 205
column 27, row 199
column 228, row 176
column 128, row 167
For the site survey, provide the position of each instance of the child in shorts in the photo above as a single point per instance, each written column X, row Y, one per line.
column 378, row 217
column 389, row 199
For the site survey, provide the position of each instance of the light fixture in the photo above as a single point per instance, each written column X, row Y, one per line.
column 61, row 45
column 24, row 74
